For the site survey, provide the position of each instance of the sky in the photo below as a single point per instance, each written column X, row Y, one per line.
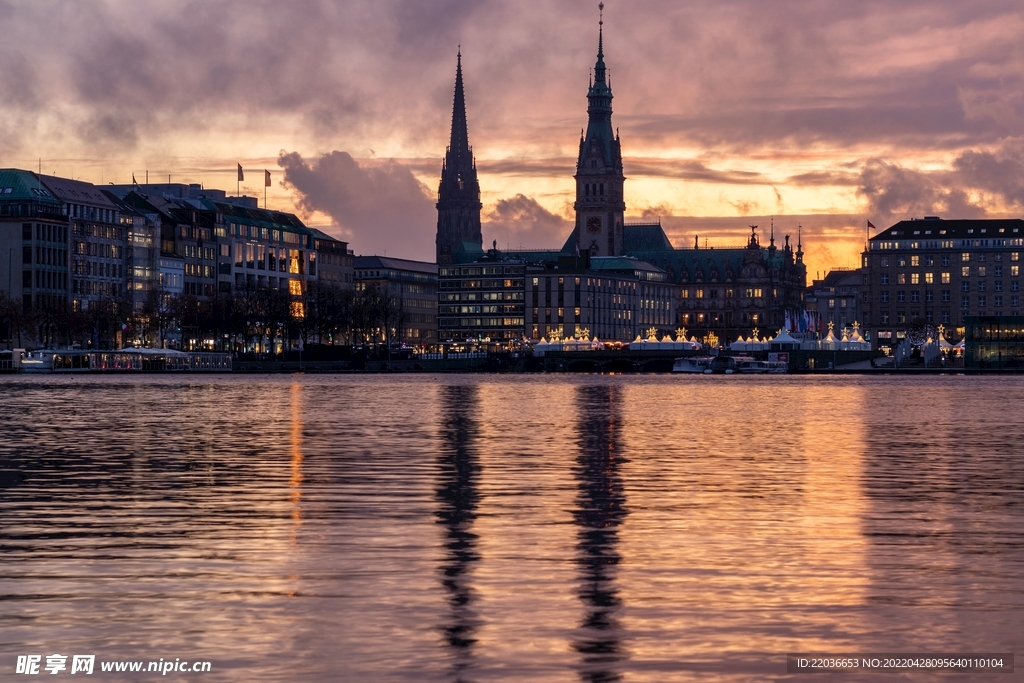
column 815, row 116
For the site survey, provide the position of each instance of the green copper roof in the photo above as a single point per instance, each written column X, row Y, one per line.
column 17, row 185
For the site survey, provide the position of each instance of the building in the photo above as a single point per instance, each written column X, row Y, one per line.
column 34, row 243
column 99, row 244
column 409, row 295
column 458, row 195
column 934, row 272
column 608, row 297
column 335, row 261
column 994, row 342
column 836, row 298
column 483, row 301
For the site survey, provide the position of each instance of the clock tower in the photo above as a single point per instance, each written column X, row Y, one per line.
column 599, row 180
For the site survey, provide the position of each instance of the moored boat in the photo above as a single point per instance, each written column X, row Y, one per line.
column 693, row 364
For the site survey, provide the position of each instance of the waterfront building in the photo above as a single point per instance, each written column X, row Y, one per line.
column 458, row 195
column 408, row 296
column 482, row 302
column 608, row 297
column 934, row 272
column 98, row 245
column 34, row 243
column 994, row 342
column 836, row 298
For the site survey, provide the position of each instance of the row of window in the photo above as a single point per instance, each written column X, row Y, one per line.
column 748, row 293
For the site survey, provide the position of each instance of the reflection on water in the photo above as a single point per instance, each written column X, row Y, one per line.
column 600, row 510
column 458, row 498
column 495, row 528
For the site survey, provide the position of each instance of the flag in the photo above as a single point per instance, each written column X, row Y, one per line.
column 241, row 176
column 134, row 181
column 266, row 179
column 871, row 226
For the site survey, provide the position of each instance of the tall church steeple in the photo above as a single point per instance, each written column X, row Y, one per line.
column 458, row 196
column 599, row 178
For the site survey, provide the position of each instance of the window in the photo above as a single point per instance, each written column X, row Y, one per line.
column 915, row 260
column 1015, row 286
column 901, row 317
column 997, row 271
column 901, row 296
column 1015, row 256
column 945, row 259
column 929, row 261
column 700, row 293
column 965, row 257
column 981, row 302
column 1014, row 271
column 884, row 263
column 884, row 279
column 982, row 286
column 915, row 278
column 885, row 318
column 684, row 294
column 997, row 301
column 965, row 286
column 884, row 297
column 1015, row 301
column 758, row 293
column 965, row 271
column 981, row 271
column 901, row 278
column 929, row 278
column 945, row 317
column 901, row 261
column 945, row 278
column 915, row 296
column 831, row 303
column 945, row 296
column 929, row 296
column 997, row 286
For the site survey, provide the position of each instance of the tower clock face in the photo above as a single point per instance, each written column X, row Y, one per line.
column 593, row 224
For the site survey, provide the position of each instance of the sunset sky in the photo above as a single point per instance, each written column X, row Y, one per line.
column 826, row 113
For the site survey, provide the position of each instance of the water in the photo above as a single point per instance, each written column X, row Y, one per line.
column 508, row 528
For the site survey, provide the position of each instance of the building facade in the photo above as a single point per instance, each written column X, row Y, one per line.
column 607, row 297
column 935, row 272
column 482, row 302
column 34, row 243
column 836, row 298
column 408, row 297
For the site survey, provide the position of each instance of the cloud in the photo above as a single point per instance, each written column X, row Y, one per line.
column 520, row 221
column 893, row 192
column 1000, row 173
column 380, row 208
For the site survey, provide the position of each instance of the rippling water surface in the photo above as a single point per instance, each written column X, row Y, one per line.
column 493, row 528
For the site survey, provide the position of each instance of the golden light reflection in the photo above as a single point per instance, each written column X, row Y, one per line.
column 753, row 515
column 295, row 482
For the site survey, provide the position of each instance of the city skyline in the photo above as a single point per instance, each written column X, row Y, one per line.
column 826, row 115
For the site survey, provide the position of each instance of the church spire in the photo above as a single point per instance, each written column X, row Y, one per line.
column 460, row 132
column 458, row 195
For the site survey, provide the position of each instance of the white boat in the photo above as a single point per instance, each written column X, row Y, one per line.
column 751, row 366
column 778, row 367
column 695, row 364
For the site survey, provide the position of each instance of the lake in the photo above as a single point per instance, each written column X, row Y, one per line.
column 509, row 528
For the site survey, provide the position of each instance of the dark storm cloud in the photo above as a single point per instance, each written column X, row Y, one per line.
column 379, row 208
column 894, row 192
column 520, row 221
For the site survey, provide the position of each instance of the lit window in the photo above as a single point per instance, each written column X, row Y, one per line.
column 929, row 278
column 915, row 279
column 915, row 260
column 965, row 271
column 945, row 278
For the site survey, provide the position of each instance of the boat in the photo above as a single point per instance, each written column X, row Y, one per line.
column 777, row 367
column 693, row 364
column 124, row 360
column 751, row 366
